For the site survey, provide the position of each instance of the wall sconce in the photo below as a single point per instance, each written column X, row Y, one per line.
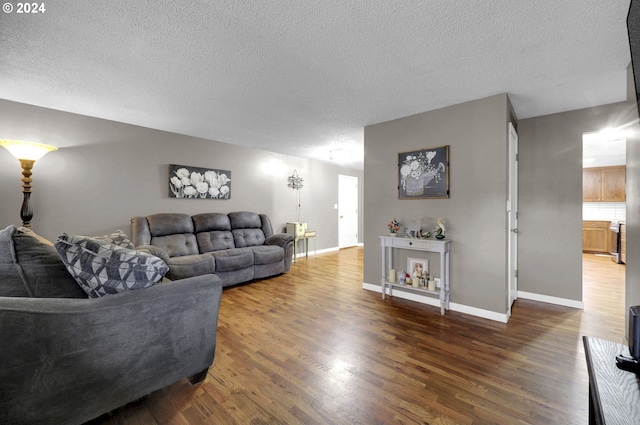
column 295, row 182
column 27, row 153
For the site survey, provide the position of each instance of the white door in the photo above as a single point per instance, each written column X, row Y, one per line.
column 512, row 211
column 347, row 211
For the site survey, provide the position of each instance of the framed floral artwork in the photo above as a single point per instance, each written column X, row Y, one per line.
column 424, row 174
column 199, row 183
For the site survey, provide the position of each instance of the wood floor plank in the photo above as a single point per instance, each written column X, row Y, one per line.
column 312, row 347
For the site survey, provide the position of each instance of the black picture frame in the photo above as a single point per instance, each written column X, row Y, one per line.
column 424, row 173
column 186, row 182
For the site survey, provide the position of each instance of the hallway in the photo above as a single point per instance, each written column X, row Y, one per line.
column 603, row 285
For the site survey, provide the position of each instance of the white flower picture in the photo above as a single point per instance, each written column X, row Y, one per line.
column 424, row 173
column 199, row 183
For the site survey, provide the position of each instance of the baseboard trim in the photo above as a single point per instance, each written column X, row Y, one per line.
column 312, row 253
column 323, row 251
column 425, row 299
column 551, row 300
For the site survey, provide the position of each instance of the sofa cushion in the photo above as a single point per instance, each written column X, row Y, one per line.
column 245, row 220
column 30, row 267
column 233, row 259
column 215, row 241
column 190, row 265
column 248, row 237
column 211, row 221
column 177, row 245
column 103, row 268
column 246, row 228
column 169, row 223
column 267, row 254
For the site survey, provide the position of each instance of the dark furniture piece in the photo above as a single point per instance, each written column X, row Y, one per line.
column 614, row 394
column 237, row 247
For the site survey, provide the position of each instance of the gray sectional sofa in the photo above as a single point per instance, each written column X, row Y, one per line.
column 67, row 358
column 237, row 247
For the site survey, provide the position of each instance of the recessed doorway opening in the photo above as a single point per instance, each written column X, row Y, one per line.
column 603, row 218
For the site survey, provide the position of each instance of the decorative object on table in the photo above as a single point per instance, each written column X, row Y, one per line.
column 391, row 276
column 431, row 284
column 199, row 183
column 417, row 268
column 426, row 235
column 440, row 229
column 414, row 228
column 402, row 277
column 424, row 173
column 294, row 181
column 393, row 226
column 27, row 153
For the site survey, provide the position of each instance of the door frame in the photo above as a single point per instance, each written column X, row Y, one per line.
column 512, row 221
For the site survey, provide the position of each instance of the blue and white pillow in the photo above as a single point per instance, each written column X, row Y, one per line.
column 102, row 268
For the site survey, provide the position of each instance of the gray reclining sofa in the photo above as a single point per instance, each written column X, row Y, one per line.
column 237, row 247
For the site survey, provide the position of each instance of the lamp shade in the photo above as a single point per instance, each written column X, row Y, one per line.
column 26, row 150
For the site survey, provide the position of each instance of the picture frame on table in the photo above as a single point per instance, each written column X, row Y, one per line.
column 418, row 266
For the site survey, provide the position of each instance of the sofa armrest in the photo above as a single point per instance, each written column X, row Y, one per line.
column 71, row 360
column 140, row 232
column 280, row 239
column 154, row 250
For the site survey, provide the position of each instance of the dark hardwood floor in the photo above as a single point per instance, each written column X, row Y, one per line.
column 313, row 347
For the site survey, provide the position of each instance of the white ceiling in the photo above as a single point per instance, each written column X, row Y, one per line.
column 303, row 77
column 604, row 149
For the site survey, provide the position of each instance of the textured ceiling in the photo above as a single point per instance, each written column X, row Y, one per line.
column 603, row 150
column 305, row 77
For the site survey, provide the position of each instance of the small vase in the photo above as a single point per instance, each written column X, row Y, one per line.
column 439, row 236
column 393, row 234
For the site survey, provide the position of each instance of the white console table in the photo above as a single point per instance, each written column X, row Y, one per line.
column 443, row 247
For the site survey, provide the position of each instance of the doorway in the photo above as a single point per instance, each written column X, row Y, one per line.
column 603, row 212
column 347, row 211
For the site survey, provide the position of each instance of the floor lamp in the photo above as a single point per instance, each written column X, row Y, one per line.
column 27, row 153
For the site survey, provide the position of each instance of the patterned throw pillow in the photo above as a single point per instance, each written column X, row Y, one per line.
column 117, row 238
column 103, row 268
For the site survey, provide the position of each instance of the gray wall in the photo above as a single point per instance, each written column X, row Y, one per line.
column 476, row 210
column 105, row 172
column 550, row 196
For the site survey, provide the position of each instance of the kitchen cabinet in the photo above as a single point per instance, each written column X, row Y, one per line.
column 604, row 184
column 595, row 236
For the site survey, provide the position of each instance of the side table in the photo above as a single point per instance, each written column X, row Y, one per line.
column 614, row 394
column 441, row 246
column 308, row 234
